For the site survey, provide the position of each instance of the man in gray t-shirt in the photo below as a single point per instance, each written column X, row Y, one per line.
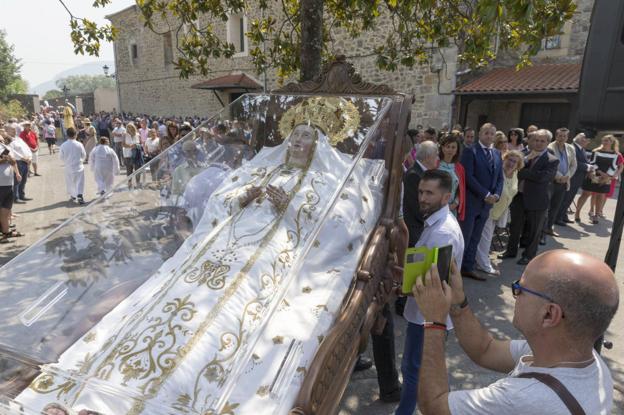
column 564, row 301
column 591, row 385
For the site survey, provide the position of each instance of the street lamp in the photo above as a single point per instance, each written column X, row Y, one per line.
column 65, row 91
column 105, row 68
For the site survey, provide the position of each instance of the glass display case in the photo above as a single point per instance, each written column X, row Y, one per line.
column 206, row 282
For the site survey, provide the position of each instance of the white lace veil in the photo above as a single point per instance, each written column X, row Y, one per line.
column 325, row 158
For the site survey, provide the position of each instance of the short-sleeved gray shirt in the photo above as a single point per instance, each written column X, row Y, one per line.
column 592, row 386
column 6, row 170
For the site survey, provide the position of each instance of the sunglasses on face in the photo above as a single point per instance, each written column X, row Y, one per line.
column 517, row 289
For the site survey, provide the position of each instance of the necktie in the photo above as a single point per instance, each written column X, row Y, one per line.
column 488, row 155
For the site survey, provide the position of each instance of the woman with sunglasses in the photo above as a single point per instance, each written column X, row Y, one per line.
column 516, row 139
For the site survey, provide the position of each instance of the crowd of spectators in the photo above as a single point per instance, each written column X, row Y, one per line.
column 535, row 176
column 463, row 189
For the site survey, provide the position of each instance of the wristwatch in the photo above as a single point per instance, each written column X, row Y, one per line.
column 458, row 308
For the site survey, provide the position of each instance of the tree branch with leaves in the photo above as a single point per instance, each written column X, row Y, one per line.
column 296, row 35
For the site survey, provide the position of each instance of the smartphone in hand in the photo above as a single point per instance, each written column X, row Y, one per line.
column 445, row 256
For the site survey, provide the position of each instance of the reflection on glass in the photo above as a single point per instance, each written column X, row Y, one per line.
column 168, row 291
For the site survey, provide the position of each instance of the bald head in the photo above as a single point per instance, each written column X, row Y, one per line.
column 584, row 287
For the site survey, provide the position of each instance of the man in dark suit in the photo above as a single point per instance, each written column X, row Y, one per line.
column 582, row 167
column 484, row 182
column 426, row 159
column 531, row 204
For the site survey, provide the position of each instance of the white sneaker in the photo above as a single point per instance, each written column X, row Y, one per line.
column 488, row 270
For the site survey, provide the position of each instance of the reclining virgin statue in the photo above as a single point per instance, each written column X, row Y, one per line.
column 173, row 345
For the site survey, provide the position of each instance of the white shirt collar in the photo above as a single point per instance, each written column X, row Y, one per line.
column 484, row 146
column 438, row 215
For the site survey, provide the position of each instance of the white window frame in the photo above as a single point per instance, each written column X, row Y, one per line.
column 166, row 62
column 237, row 41
column 557, row 38
column 133, row 61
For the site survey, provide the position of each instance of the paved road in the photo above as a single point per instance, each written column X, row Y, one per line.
column 493, row 305
column 492, row 300
column 50, row 205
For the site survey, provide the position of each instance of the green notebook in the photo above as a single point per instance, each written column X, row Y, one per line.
column 417, row 262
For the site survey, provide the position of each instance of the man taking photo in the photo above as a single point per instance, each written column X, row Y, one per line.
column 564, row 301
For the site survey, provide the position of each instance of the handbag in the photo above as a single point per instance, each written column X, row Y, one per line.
column 562, row 392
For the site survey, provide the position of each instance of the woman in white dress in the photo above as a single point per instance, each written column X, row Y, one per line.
column 90, row 139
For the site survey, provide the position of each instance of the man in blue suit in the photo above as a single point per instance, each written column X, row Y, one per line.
column 484, row 184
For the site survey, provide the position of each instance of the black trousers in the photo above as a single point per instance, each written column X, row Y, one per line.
column 533, row 219
column 575, row 185
column 384, row 355
column 556, row 200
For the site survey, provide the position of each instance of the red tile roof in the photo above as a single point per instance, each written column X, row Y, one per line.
column 232, row 81
column 534, row 79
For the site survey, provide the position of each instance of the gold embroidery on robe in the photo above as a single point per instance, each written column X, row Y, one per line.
column 211, row 274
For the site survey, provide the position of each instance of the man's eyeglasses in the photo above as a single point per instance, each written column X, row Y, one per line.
column 517, row 289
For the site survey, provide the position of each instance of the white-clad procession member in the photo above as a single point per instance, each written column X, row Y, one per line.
column 73, row 154
column 104, row 165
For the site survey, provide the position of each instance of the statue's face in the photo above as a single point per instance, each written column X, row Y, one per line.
column 301, row 142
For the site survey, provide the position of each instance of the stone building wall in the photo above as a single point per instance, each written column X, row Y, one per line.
column 105, row 99
column 580, row 28
column 149, row 86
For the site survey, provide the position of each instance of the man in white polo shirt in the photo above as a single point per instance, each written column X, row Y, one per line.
column 119, row 135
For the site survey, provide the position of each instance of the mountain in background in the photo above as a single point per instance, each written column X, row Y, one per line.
column 94, row 68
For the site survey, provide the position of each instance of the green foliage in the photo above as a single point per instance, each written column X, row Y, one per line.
column 12, row 109
column 10, row 80
column 53, row 93
column 18, row 86
column 86, row 35
column 80, row 84
column 479, row 28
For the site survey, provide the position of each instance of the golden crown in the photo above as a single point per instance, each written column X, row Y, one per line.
column 337, row 117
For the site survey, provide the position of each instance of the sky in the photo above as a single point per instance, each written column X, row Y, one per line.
column 39, row 30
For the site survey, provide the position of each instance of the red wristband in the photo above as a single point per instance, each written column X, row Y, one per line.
column 435, row 326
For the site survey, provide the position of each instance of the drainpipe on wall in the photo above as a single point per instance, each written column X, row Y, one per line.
column 264, row 87
column 117, row 80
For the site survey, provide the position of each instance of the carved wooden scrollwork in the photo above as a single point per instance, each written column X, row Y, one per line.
column 338, row 77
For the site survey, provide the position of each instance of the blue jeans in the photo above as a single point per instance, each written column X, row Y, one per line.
column 410, row 368
column 19, row 188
